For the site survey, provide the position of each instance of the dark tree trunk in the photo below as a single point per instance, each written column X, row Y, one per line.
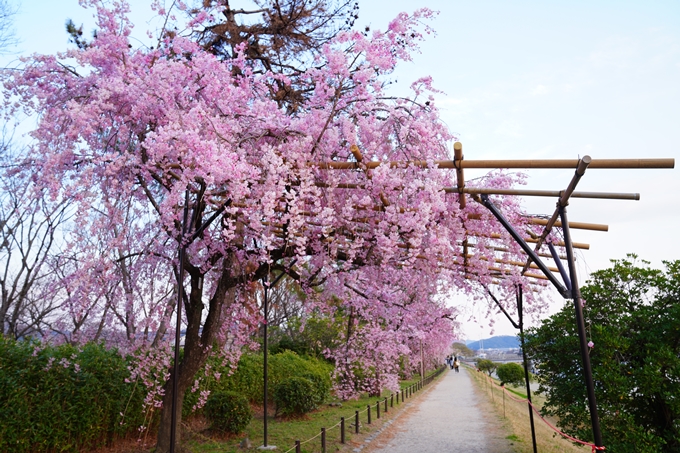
column 196, row 348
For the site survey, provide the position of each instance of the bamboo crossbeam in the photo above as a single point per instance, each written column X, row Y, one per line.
column 516, row 192
column 497, row 270
column 573, row 225
column 526, row 274
column 514, row 263
column 504, row 163
column 544, row 193
column 577, row 245
column 503, row 249
column 278, row 228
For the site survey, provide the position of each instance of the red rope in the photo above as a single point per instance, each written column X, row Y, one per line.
column 593, row 447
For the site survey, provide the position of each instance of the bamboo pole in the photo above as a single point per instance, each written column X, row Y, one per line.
column 576, row 245
column 544, row 193
column 460, row 175
column 526, row 274
column 460, row 182
column 503, row 249
column 572, row 225
column 504, row 163
column 516, row 192
column 515, row 263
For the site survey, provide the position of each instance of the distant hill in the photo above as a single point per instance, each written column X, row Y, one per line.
column 499, row 342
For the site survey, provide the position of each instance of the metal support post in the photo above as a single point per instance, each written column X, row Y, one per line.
column 178, row 325
column 534, row 257
column 267, row 287
column 580, row 324
column 266, row 352
column 520, row 299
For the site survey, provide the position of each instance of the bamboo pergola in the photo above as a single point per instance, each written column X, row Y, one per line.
column 459, row 164
column 568, row 287
column 533, row 266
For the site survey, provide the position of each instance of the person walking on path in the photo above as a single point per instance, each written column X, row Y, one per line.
column 452, row 416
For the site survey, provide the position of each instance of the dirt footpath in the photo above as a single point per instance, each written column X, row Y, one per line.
column 451, row 417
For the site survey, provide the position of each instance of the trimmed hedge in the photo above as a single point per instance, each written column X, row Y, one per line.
column 228, row 411
column 295, row 396
column 64, row 398
column 248, row 379
column 68, row 399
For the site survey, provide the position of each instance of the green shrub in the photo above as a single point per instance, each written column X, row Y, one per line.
column 248, row 379
column 321, row 386
column 62, row 398
column 228, row 411
column 294, row 396
column 486, row 365
column 510, row 373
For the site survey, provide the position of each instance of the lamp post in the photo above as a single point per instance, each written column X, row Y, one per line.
column 266, row 287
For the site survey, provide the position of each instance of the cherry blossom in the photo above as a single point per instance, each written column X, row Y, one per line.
column 125, row 132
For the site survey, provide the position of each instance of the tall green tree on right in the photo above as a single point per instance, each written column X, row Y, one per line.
column 633, row 319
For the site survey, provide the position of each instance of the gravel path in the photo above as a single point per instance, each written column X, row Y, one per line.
column 451, row 417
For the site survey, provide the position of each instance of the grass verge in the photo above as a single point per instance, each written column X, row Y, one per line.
column 283, row 433
column 517, row 416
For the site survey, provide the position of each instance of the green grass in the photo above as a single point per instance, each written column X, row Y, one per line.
column 515, row 419
column 283, row 433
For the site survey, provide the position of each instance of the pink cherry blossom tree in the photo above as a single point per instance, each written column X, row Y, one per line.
column 125, row 133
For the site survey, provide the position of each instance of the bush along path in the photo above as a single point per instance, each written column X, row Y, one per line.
column 333, row 428
column 451, row 417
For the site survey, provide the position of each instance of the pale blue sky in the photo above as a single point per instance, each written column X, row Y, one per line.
column 533, row 79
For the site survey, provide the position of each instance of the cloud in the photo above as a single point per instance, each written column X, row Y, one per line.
column 540, row 90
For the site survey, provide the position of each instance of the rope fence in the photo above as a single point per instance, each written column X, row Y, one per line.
column 388, row 401
column 594, row 448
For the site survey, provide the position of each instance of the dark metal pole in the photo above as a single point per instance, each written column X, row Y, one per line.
column 266, row 350
column 558, row 262
column 266, row 287
column 342, row 430
column 178, row 324
column 580, row 324
column 498, row 304
column 520, row 299
column 422, row 363
column 496, row 213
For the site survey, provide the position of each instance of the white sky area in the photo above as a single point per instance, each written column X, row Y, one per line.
column 528, row 79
